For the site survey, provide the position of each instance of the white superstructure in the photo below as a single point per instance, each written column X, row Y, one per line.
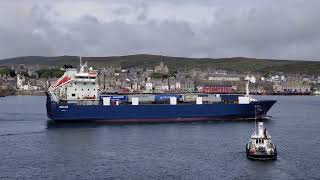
column 247, row 98
column 260, row 143
column 76, row 84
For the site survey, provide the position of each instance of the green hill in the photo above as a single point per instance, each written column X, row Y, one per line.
column 239, row 64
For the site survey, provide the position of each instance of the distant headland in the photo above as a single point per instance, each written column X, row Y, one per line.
column 238, row 64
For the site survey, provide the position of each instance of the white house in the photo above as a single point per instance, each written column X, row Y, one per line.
column 149, row 86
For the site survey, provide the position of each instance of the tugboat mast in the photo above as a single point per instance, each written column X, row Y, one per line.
column 255, row 119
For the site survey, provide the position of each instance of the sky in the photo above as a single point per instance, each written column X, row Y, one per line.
column 278, row 29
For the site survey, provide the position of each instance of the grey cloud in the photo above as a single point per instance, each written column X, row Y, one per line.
column 272, row 32
column 287, row 30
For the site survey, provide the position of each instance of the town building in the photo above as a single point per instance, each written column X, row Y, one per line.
column 292, row 87
column 219, row 89
column 187, row 85
column 223, row 78
column 162, row 68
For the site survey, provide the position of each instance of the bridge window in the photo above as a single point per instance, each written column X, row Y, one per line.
column 73, row 95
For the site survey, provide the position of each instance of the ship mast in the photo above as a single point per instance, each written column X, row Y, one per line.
column 255, row 120
column 247, row 89
column 82, row 66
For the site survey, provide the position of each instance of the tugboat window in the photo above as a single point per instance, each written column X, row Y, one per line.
column 73, row 95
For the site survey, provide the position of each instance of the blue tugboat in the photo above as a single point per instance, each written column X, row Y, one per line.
column 76, row 97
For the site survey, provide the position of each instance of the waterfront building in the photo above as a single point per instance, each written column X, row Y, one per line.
column 292, row 87
column 223, row 78
column 218, row 88
column 187, row 85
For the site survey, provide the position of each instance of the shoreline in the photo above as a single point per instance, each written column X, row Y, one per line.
column 42, row 93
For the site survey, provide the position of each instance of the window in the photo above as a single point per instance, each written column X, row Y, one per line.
column 75, row 83
column 75, row 89
column 94, row 83
column 82, row 89
column 73, row 95
column 88, row 89
column 84, row 83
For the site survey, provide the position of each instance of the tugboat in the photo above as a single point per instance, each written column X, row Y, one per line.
column 260, row 147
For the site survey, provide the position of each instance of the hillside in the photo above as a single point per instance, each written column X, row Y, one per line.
column 239, row 64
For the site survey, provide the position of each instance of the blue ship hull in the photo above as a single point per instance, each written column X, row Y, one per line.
column 155, row 112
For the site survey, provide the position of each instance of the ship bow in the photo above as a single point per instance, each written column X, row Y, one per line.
column 263, row 106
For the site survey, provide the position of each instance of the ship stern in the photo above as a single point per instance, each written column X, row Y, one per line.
column 49, row 105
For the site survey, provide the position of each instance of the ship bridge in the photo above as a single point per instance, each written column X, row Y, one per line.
column 76, row 85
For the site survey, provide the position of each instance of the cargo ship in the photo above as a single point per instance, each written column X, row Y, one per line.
column 76, row 97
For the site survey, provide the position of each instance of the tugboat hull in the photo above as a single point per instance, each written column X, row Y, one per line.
column 261, row 156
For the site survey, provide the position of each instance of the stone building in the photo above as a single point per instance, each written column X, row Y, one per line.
column 163, row 69
column 292, row 87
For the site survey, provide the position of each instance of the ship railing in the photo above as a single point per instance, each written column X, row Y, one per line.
column 82, row 101
column 84, row 80
column 113, row 103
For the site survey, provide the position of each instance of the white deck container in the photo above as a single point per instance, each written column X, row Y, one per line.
column 244, row 100
column 135, row 101
column 199, row 100
column 173, row 100
column 106, row 101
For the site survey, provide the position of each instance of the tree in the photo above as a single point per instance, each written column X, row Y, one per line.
column 4, row 71
column 159, row 76
column 50, row 73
